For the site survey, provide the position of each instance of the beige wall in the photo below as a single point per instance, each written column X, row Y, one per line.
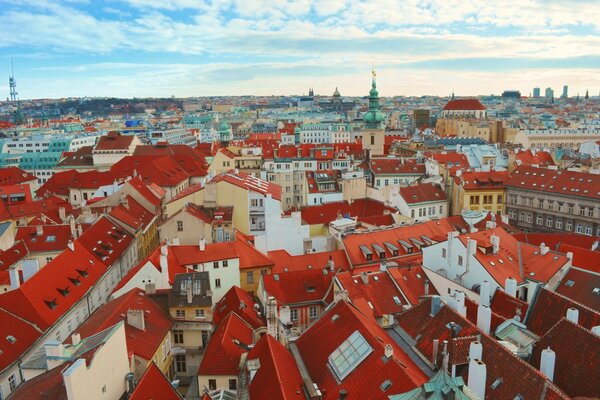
column 222, row 381
column 193, row 229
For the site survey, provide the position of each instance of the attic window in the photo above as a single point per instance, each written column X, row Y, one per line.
column 83, row 273
column 350, row 353
column 569, row 283
column 75, row 281
column 366, row 252
column 380, row 250
column 11, row 339
column 596, row 291
column 532, row 274
column 51, row 304
column 393, row 249
column 397, row 300
column 496, row 383
column 310, row 289
column 50, row 239
column 386, row 385
column 64, row 291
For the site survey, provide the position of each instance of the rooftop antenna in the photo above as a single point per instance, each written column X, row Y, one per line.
column 12, row 83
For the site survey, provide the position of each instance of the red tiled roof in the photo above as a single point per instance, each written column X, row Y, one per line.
column 82, row 157
column 250, row 257
column 285, row 262
column 317, row 343
column 249, row 182
column 188, row 255
column 464, row 105
column 165, row 171
column 450, row 158
column 475, row 180
column 394, row 166
column 567, row 183
column 579, row 285
column 577, row 358
column 224, row 350
column 422, row 193
column 53, row 238
column 508, row 306
column 154, row 386
column 144, row 190
column 58, row 184
column 550, row 307
column 114, row 141
column 186, row 192
column 143, row 343
column 10, row 256
column 278, row 377
column 555, row 240
column 376, row 297
column 48, row 206
column 540, row 158
column 311, row 285
column 15, row 176
column 105, row 241
column 240, row 302
column 47, row 386
column 411, row 282
column 133, row 214
column 210, row 215
column 328, row 212
column 25, row 335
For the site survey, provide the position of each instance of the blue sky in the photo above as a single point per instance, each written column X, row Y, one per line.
column 233, row 47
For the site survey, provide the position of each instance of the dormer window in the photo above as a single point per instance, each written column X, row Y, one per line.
column 64, row 291
column 51, row 304
column 83, row 273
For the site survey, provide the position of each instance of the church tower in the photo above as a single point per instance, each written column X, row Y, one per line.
column 373, row 136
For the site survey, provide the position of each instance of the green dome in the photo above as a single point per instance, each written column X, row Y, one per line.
column 336, row 93
column 297, row 130
column 224, row 126
column 373, row 117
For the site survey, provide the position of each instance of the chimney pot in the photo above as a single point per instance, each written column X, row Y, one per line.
column 573, row 315
column 388, row 351
column 75, row 338
column 547, row 361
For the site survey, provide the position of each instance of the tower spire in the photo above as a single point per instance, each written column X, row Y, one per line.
column 12, row 83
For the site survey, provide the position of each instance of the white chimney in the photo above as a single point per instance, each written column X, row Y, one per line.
column 510, row 286
column 39, row 230
column 202, row 244
column 72, row 227
column 596, row 330
column 595, row 245
column 477, row 377
column 543, row 248
column 475, row 350
column 62, row 213
column 340, row 295
column 459, row 298
column 164, row 266
column 573, row 315
column 547, row 362
column 176, row 241
column 331, row 263
column 75, row 339
column 70, row 245
column 15, row 279
column 364, row 277
column 484, row 318
column 570, row 255
column 484, row 293
column 136, row 319
column 285, row 315
column 388, row 351
column 495, row 241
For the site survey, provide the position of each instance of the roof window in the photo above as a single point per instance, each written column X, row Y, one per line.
column 350, row 353
column 569, row 283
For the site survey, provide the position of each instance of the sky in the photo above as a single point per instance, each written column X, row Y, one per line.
column 186, row 48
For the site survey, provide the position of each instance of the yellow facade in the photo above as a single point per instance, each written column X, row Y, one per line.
column 250, row 284
column 491, row 200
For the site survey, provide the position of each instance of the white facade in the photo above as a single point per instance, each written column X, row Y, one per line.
column 590, row 147
column 43, row 143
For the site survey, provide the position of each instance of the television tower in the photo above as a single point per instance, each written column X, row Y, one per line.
column 12, row 83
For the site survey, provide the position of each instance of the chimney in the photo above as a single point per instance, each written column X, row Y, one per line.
column 477, row 377
column 475, row 350
column 189, row 294
column 459, row 298
column 150, row 288
column 340, row 295
column 39, row 230
column 595, row 245
column 484, row 293
column 202, row 244
column 436, row 346
column 383, row 266
column 271, row 314
column 570, row 255
column 495, row 241
column 436, row 305
column 75, row 338
column 70, row 245
column 54, row 349
column 388, row 351
column 343, row 394
column 484, row 318
column 543, row 248
column 15, row 279
column 72, row 227
column 164, row 266
column 573, row 315
column 510, row 286
column 62, row 213
column 176, row 241
column 135, row 318
column 364, row 277
column 548, row 359
column 426, row 288
column 331, row 263
column 596, row 330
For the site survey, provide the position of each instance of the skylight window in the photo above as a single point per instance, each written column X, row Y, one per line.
column 569, row 283
column 349, row 355
column 397, row 300
column 50, row 239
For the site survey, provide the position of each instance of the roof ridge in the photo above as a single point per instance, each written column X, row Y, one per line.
column 22, row 319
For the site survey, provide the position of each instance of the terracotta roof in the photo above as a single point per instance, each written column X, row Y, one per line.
column 53, row 238
column 577, row 358
column 540, row 158
column 105, row 241
column 82, row 157
column 188, row 255
column 249, row 256
column 582, row 287
column 154, row 386
column 317, row 343
column 58, row 184
column 144, row 190
column 224, row 350
column 165, row 171
column 284, row 261
column 240, row 302
column 450, row 159
column 411, row 282
column 475, row 180
column 278, row 377
column 210, row 215
column 567, row 183
column 394, row 166
column 422, row 193
column 12, row 255
column 377, row 297
column 24, row 334
column 464, row 105
column 143, row 343
column 186, row 192
column 249, row 182
column 48, row 207
column 132, row 214
column 312, row 285
column 114, row 141
column 328, row 212
column 49, row 385
column 508, row 306
column 14, row 176
column 550, row 307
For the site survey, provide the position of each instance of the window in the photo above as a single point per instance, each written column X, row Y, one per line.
column 180, row 364
column 579, row 228
column 372, row 139
column 250, row 277
column 212, row 384
column 178, row 337
column 224, row 263
column 232, row 384
column 569, row 226
column 294, row 314
column 474, row 199
column 558, row 224
column 412, row 213
column 460, row 260
column 588, row 230
column 539, row 220
column 180, row 313
column 443, row 253
column 312, row 312
column 12, row 382
column 263, row 271
column 216, row 265
column 549, row 222
column 349, row 355
column 217, row 283
column 48, row 259
column 499, row 199
column 199, row 313
column 179, row 226
column 441, row 210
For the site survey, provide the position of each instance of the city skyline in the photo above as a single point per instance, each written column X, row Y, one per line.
column 136, row 48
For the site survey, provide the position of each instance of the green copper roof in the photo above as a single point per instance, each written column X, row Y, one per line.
column 373, row 118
